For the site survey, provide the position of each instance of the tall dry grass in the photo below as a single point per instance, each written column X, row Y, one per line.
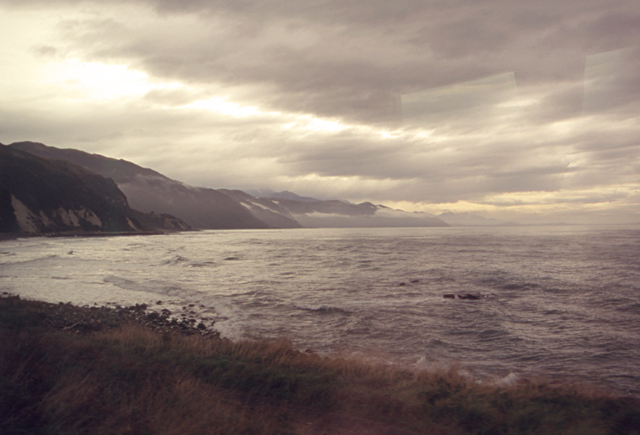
column 130, row 380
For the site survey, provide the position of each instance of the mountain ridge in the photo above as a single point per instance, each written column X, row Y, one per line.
column 206, row 208
column 39, row 196
column 148, row 190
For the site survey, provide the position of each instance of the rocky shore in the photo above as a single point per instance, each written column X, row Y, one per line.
column 89, row 319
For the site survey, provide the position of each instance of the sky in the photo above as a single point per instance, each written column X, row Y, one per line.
column 523, row 111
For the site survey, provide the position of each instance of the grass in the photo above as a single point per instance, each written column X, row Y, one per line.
column 128, row 379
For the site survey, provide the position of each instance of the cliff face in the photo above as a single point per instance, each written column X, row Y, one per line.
column 39, row 195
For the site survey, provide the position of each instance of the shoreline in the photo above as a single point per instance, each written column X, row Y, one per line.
column 89, row 319
column 89, row 234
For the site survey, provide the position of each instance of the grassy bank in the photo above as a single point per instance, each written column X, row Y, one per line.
column 128, row 379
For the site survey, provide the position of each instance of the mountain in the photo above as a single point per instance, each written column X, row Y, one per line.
column 38, row 195
column 264, row 209
column 148, row 190
column 285, row 194
column 340, row 214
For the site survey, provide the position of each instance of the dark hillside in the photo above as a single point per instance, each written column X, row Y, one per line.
column 41, row 196
column 264, row 209
column 148, row 190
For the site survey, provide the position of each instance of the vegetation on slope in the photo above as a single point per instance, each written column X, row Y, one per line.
column 148, row 190
column 129, row 379
column 51, row 190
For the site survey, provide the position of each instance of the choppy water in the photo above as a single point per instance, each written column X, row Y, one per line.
column 557, row 301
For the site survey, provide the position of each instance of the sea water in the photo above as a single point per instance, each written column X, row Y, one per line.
column 558, row 302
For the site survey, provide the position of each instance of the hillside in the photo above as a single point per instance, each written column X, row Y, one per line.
column 38, row 195
column 148, row 190
column 341, row 214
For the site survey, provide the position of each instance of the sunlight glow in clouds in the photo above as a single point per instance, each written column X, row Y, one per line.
column 595, row 197
column 96, row 81
column 339, row 184
column 307, row 122
column 290, row 121
column 224, row 107
column 539, row 202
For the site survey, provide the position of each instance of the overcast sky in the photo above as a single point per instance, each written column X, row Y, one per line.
column 517, row 110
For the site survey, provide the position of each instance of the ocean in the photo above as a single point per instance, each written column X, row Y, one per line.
column 558, row 302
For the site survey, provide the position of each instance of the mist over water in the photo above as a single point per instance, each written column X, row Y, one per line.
column 555, row 301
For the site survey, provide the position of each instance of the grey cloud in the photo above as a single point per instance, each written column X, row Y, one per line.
column 422, row 45
column 46, row 51
column 612, row 80
column 349, row 158
column 587, row 198
column 173, row 97
column 545, row 179
column 613, row 30
column 557, row 103
column 458, row 68
column 466, row 173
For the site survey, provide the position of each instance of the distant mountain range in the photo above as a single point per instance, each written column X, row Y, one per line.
column 285, row 194
column 39, row 195
column 151, row 192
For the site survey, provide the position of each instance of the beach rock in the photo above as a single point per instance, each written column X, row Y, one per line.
column 469, row 297
column 87, row 320
column 449, row 296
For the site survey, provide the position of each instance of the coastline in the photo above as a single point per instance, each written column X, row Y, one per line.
column 90, row 319
column 57, row 234
column 11, row 236
column 219, row 271
column 115, row 370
